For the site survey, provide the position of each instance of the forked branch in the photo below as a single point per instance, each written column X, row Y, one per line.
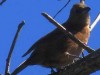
column 11, row 49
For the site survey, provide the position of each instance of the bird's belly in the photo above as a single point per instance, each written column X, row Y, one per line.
column 61, row 52
column 58, row 60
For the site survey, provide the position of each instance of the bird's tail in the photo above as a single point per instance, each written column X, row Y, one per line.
column 20, row 68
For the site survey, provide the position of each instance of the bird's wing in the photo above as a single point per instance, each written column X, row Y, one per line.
column 46, row 39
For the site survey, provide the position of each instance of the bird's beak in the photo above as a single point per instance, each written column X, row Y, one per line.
column 86, row 9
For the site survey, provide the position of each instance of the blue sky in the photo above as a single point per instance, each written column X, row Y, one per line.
column 12, row 12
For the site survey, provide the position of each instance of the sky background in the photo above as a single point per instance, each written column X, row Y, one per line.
column 12, row 12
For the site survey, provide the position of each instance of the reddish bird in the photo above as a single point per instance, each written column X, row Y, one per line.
column 52, row 50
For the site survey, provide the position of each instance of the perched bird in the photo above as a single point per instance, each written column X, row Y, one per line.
column 53, row 49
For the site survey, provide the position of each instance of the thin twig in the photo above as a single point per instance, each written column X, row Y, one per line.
column 11, row 49
column 61, row 8
column 82, row 1
column 69, row 34
column 95, row 22
column 2, row 2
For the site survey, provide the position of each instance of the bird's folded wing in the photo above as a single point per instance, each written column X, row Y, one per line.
column 46, row 39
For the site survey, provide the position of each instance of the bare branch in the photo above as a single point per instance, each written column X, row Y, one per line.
column 95, row 22
column 11, row 49
column 82, row 1
column 85, row 66
column 69, row 34
column 2, row 2
column 62, row 8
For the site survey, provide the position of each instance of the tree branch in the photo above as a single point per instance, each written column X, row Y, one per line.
column 11, row 49
column 2, row 2
column 61, row 9
column 85, row 66
column 95, row 22
column 82, row 1
column 67, row 33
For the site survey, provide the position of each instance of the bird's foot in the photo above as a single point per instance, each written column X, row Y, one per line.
column 52, row 70
column 83, row 55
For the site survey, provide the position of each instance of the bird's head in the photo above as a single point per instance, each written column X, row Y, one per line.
column 80, row 9
column 79, row 14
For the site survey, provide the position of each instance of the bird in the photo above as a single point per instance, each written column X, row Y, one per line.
column 57, row 50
